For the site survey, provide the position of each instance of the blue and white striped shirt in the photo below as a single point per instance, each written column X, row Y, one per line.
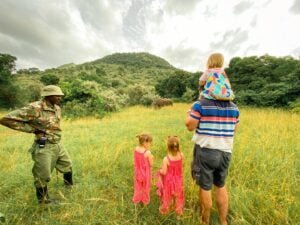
column 217, row 121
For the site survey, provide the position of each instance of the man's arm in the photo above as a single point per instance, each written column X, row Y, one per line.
column 5, row 121
column 190, row 122
column 20, row 119
column 17, row 125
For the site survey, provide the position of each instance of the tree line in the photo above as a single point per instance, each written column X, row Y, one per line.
column 121, row 80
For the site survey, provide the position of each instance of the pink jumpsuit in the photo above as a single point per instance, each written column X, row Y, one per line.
column 171, row 187
column 142, row 178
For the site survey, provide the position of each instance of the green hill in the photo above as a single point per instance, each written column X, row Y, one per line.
column 110, row 71
column 118, row 68
column 141, row 60
column 104, row 85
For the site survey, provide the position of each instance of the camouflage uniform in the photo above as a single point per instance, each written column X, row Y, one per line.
column 42, row 117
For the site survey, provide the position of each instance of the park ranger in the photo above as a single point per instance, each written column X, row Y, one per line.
column 42, row 118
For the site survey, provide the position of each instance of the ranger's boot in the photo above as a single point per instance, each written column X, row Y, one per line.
column 2, row 218
column 42, row 195
column 68, row 179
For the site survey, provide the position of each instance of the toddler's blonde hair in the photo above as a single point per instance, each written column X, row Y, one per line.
column 173, row 144
column 215, row 60
column 144, row 138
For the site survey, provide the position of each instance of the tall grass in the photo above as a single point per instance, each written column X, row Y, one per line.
column 263, row 177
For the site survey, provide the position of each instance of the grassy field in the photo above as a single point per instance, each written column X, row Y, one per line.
column 263, row 177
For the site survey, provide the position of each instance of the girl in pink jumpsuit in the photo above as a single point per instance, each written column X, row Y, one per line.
column 143, row 160
column 170, row 185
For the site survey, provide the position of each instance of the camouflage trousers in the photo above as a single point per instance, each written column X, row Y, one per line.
column 46, row 159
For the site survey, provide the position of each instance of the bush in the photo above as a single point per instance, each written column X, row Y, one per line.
column 141, row 95
column 245, row 97
column 87, row 98
column 265, row 80
column 295, row 105
column 189, row 95
column 111, row 101
column 148, row 99
column 29, row 92
column 49, row 79
column 173, row 86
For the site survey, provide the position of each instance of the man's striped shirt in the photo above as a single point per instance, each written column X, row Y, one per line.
column 217, row 121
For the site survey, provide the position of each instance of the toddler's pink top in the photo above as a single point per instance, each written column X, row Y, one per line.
column 142, row 178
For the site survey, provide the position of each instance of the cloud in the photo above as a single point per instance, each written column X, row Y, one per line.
column 181, row 57
column 296, row 52
column 180, row 7
column 295, row 9
column 32, row 32
column 134, row 26
column 209, row 11
column 251, row 49
column 103, row 16
column 242, row 7
column 51, row 33
column 231, row 41
column 254, row 21
column 56, row 33
column 21, row 27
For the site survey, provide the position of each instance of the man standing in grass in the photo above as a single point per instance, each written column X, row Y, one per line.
column 42, row 118
column 214, row 123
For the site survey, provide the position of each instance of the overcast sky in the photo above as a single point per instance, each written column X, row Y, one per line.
column 47, row 34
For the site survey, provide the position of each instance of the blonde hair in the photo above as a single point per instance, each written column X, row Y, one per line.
column 144, row 138
column 215, row 60
column 173, row 145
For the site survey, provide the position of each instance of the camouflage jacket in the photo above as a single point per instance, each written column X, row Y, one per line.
column 37, row 117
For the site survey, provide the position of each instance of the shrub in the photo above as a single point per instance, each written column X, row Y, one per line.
column 173, row 86
column 111, row 101
column 295, row 105
column 139, row 94
column 189, row 95
column 49, row 79
column 148, row 99
column 87, row 98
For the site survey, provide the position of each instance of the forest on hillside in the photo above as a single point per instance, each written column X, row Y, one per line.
column 124, row 79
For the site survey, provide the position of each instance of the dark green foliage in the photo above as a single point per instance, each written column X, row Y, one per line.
column 32, row 70
column 295, row 105
column 100, row 72
column 117, row 82
column 8, row 94
column 90, row 77
column 173, row 86
column 265, row 80
column 7, row 63
column 176, row 86
column 192, row 84
column 84, row 98
column 81, row 98
column 29, row 92
column 49, row 79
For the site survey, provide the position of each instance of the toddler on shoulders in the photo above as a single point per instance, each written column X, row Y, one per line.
column 214, row 83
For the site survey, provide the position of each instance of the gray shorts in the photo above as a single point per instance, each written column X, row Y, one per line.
column 210, row 167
